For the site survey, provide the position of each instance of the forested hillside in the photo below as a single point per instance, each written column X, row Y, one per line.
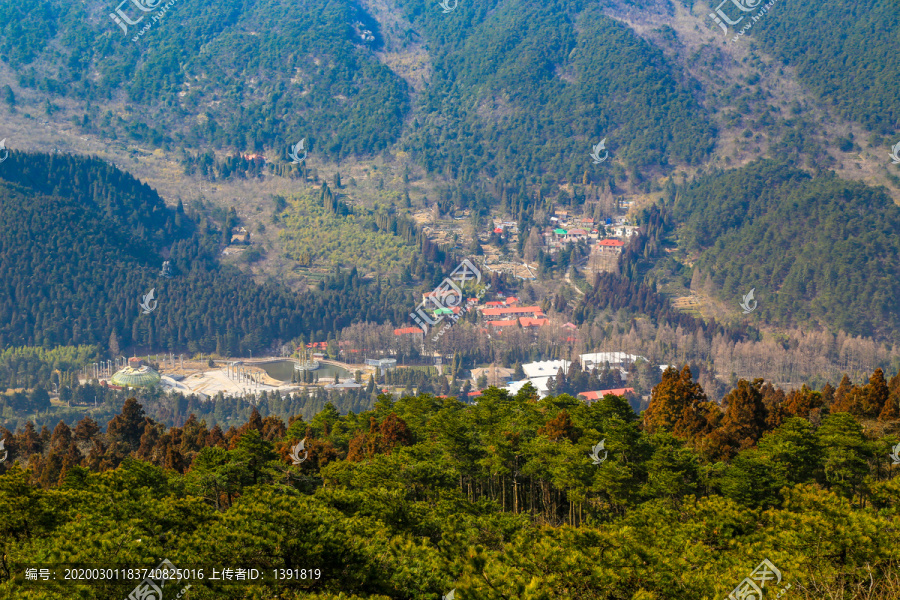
column 496, row 500
column 82, row 243
column 522, row 88
column 845, row 53
column 518, row 94
column 528, row 89
column 817, row 249
column 249, row 76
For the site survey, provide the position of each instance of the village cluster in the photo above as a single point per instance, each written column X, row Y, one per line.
column 604, row 239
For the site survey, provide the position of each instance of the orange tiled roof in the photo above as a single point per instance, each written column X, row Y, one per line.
column 403, row 330
column 530, row 322
column 600, row 393
column 513, row 310
column 505, row 323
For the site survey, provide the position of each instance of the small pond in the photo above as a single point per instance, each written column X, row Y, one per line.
column 282, row 369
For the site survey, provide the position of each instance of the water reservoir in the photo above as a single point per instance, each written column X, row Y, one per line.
column 282, row 369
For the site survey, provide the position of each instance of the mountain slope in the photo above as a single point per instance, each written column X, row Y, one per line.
column 845, row 53
column 816, row 249
column 82, row 243
column 528, row 89
column 517, row 87
column 239, row 75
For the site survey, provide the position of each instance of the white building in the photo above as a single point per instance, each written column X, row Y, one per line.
column 625, row 231
column 538, row 374
column 545, row 368
column 539, row 383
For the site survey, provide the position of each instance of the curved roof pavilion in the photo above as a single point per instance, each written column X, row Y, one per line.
column 142, row 376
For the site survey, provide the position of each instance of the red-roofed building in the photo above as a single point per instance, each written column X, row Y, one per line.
column 498, row 230
column 610, row 246
column 322, row 345
column 534, row 311
column 506, row 323
column 408, row 330
column 529, row 322
column 494, row 303
column 512, row 300
column 592, row 396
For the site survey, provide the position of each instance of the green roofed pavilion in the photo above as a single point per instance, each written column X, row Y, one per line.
column 559, row 231
column 140, row 377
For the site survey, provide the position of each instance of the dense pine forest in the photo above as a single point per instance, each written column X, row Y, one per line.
column 818, row 250
column 466, row 130
column 419, row 496
column 530, row 97
column 841, row 54
column 114, row 233
column 259, row 111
